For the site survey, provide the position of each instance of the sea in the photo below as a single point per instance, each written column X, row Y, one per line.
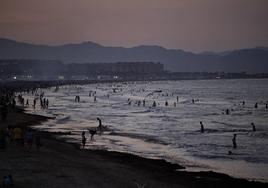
column 171, row 129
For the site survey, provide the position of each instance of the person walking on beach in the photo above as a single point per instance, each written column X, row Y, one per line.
column 17, row 132
column 84, row 139
column 256, row 105
column 29, row 138
column 234, row 141
column 202, row 127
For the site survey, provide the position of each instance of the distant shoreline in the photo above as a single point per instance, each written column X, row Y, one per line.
column 21, row 86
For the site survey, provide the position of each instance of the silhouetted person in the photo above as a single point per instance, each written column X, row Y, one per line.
column 266, row 106
column 27, row 102
column 100, row 125
column 193, row 101
column 166, row 103
column 47, row 103
column 227, row 111
column 177, row 98
column 154, row 104
column 143, row 102
column 256, row 105
column 234, row 141
column 29, row 138
column 253, row 127
column 92, row 133
column 34, row 103
column 201, row 127
column 84, row 139
column 243, row 103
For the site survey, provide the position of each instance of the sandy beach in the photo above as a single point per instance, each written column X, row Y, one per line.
column 60, row 164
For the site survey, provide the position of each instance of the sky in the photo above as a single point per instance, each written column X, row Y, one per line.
column 191, row 25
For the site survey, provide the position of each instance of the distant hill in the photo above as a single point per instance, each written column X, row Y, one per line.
column 253, row 60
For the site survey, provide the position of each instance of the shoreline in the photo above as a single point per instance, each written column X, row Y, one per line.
column 61, row 163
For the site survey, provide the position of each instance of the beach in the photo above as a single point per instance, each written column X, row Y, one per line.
column 61, row 164
column 170, row 132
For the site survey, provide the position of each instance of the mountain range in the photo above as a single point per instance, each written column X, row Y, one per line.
column 254, row 60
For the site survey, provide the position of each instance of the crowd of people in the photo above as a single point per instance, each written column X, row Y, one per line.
column 8, row 100
column 20, row 137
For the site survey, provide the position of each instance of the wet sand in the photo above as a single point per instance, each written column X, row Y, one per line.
column 60, row 164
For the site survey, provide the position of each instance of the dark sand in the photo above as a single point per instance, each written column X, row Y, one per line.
column 59, row 164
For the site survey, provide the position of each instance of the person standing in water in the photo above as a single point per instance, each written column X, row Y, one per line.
column 253, row 127
column 100, row 125
column 234, row 141
column 92, row 132
column 201, row 127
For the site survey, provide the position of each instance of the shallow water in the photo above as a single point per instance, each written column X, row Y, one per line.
column 170, row 132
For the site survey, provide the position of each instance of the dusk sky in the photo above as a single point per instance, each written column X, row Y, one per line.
column 192, row 25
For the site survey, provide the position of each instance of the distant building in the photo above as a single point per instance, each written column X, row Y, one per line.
column 16, row 69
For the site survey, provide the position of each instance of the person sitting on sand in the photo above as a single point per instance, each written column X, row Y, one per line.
column 234, row 141
column 84, row 139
